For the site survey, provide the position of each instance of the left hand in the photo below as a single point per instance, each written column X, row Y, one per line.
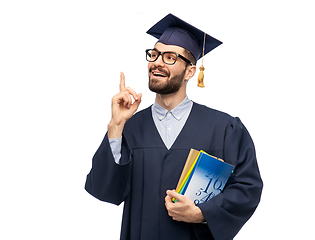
column 184, row 209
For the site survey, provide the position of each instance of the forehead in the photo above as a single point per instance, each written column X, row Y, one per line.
column 169, row 48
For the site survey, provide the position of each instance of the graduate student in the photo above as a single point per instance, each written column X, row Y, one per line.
column 142, row 155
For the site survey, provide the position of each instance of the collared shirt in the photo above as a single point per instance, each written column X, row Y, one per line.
column 168, row 123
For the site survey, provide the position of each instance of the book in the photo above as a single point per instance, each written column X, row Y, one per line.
column 203, row 176
column 190, row 162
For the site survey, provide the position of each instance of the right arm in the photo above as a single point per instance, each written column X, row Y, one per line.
column 107, row 180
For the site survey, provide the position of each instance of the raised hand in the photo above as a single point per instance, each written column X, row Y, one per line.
column 123, row 108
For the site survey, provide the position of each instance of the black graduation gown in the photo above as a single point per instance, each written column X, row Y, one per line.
column 147, row 169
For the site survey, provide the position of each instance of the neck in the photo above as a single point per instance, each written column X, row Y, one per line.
column 170, row 101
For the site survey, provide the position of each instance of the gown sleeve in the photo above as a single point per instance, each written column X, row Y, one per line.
column 107, row 180
column 227, row 212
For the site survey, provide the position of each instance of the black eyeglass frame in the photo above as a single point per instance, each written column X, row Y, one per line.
column 162, row 53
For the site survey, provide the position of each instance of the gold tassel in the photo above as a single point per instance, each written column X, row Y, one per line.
column 201, row 74
column 200, row 77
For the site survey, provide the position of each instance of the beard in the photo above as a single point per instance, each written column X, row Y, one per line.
column 172, row 84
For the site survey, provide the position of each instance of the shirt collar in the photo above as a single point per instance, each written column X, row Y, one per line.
column 178, row 112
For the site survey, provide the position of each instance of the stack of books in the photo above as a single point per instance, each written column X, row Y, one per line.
column 203, row 176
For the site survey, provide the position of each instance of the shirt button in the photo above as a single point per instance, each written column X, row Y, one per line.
column 169, row 129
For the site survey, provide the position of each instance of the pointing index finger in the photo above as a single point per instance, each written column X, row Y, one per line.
column 122, row 87
column 122, row 82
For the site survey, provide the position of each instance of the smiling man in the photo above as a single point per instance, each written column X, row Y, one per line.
column 167, row 79
column 160, row 79
column 142, row 155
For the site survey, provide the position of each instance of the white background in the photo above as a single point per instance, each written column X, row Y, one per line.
column 59, row 67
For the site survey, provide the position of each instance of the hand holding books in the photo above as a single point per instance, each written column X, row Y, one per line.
column 184, row 209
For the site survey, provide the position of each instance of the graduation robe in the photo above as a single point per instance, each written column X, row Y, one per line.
column 147, row 169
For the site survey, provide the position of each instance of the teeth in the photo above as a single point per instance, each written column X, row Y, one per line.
column 158, row 74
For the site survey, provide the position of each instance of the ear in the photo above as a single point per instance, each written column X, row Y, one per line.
column 190, row 72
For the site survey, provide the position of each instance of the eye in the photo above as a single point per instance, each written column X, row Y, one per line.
column 154, row 54
column 170, row 56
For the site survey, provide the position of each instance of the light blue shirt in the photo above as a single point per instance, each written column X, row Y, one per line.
column 168, row 123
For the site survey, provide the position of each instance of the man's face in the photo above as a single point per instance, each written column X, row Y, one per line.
column 164, row 78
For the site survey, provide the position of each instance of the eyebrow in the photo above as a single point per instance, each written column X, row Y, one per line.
column 166, row 51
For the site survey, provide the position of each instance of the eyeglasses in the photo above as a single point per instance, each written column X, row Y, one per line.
column 167, row 57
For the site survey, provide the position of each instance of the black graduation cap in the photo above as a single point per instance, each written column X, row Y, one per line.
column 171, row 30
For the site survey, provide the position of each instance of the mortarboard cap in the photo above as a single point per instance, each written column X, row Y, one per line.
column 173, row 31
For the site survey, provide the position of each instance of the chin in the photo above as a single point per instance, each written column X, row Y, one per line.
column 163, row 89
column 166, row 85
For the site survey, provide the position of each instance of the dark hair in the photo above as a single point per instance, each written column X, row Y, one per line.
column 189, row 56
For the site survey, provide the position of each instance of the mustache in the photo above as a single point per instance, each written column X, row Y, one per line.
column 153, row 68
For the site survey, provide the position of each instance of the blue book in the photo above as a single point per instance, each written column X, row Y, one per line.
column 207, row 179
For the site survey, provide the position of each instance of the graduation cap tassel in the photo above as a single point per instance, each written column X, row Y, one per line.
column 201, row 75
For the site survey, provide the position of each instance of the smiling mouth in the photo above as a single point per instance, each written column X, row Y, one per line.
column 158, row 74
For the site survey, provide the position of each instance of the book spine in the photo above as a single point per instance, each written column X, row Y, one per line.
column 187, row 177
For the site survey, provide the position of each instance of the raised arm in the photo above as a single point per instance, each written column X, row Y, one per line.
column 108, row 180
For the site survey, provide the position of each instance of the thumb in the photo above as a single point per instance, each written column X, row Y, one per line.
column 137, row 102
column 173, row 194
